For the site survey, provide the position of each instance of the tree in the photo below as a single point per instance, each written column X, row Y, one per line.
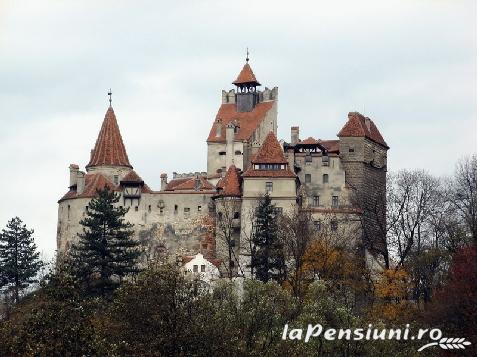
column 465, row 193
column 19, row 259
column 268, row 261
column 453, row 307
column 106, row 251
column 228, row 232
column 296, row 233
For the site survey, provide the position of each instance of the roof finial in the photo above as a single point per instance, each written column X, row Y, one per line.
column 110, row 96
column 247, row 59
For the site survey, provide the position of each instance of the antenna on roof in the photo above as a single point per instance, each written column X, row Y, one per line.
column 247, row 59
column 110, row 96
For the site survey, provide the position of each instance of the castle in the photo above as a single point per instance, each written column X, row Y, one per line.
column 211, row 212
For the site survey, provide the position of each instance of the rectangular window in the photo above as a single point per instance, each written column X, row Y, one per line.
column 325, row 178
column 236, row 215
column 202, row 268
column 136, row 208
column 199, row 208
column 317, row 225
column 222, row 153
column 334, row 201
column 325, row 160
column 149, row 208
column 116, row 179
column 161, row 211
column 195, row 268
column 268, row 186
column 316, row 201
column 307, row 178
column 308, row 157
column 176, row 208
column 351, row 149
column 186, row 211
column 334, row 225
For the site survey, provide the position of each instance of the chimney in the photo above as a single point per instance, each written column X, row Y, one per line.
column 367, row 121
column 73, row 175
column 229, row 145
column 80, row 182
column 218, row 128
column 295, row 135
column 163, row 182
column 197, row 183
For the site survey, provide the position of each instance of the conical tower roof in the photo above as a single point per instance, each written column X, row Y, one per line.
column 109, row 149
column 270, row 152
column 246, row 76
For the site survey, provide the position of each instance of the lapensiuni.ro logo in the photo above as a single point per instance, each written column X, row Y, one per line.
column 370, row 334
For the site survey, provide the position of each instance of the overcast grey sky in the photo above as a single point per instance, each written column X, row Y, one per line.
column 409, row 65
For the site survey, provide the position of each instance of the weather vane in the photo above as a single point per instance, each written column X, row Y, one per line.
column 110, row 96
column 246, row 59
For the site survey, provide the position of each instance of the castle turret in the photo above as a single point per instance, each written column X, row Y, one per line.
column 109, row 155
column 245, row 117
column 247, row 96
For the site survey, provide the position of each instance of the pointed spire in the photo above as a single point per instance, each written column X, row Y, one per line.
column 246, row 75
column 109, row 149
column 270, row 152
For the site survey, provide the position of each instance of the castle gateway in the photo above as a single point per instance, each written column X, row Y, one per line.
column 340, row 181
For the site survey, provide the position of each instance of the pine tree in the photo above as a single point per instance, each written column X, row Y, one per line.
column 268, row 261
column 19, row 259
column 106, row 251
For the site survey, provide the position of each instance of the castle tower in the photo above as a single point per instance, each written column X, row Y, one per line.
column 244, row 119
column 247, row 96
column 363, row 154
column 109, row 155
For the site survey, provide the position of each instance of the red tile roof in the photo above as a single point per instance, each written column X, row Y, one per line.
column 360, row 126
column 230, row 184
column 132, row 176
column 246, row 76
column 109, row 148
column 331, row 145
column 93, row 182
column 247, row 121
column 187, row 184
column 309, row 140
column 270, row 152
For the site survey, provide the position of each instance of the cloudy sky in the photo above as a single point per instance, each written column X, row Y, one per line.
column 409, row 65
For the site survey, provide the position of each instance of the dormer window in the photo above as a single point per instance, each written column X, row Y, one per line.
column 236, row 129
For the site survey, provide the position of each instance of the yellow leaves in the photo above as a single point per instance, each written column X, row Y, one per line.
column 393, row 284
column 392, row 290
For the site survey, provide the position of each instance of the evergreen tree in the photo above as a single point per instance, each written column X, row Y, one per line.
column 19, row 259
column 106, row 251
column 268, row 261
